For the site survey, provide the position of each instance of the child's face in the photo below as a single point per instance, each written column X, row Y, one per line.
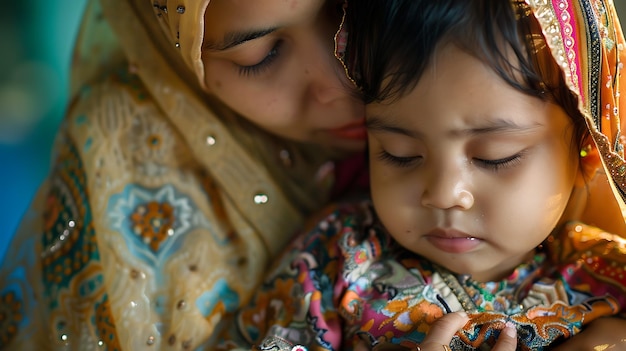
column 467, row 171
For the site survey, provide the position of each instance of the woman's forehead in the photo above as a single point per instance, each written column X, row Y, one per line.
column 224, row 18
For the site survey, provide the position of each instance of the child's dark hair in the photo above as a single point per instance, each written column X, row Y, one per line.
column 390, row 43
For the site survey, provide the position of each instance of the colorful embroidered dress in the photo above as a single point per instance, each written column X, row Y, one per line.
column 347, row 281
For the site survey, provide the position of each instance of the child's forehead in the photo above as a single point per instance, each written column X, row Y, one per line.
column 465, row 95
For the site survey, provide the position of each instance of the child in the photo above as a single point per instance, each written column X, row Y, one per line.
column 480, row 158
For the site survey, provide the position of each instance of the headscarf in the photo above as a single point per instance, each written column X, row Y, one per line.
column 587, row 42
column 183, row 21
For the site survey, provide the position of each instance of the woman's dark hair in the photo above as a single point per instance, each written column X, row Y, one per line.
column 391, row 42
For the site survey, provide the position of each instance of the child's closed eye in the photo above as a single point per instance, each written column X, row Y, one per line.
column 499, row 164
column 398, row 161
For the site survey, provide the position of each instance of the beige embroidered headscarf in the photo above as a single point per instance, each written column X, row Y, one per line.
column 184, row 22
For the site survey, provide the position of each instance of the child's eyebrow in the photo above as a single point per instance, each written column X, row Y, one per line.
column 499, row 125
column 492, row 125
column 379, row 124
column 232, row 39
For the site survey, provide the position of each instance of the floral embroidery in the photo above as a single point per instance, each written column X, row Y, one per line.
column 151, row 219
column 11, row 315
column 106, row 326
column 153, row 222
column 69, row 244
column 152, row 143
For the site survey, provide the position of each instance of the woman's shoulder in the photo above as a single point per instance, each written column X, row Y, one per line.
column 114, row 101
column 348, row 230
column 582, row 252
column 577, row 238
column 342, row 217
column 114, row 122
column 134, row 165
column 583, row 244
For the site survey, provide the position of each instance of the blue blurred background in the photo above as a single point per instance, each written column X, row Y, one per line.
column 36, row 37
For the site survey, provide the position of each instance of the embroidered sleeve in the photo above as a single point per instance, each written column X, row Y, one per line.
column 60, row 259
column 593, row 261
column 297, row 306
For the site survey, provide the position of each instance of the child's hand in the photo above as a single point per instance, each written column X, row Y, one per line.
column 441, row 334
column 607, row 333
column 446, row 326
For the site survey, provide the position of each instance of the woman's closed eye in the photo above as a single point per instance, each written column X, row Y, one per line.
column 398, row 161
column 265, row 63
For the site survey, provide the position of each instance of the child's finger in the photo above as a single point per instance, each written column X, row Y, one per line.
column 507, row 340
column 361, row 346
column 444, row 329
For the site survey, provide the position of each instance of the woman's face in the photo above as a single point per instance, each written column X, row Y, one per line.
column 272, row 62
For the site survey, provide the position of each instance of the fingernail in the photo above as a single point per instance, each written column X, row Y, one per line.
column 463, row 314
column 510, row 330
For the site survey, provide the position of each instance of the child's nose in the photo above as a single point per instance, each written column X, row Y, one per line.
column 447, row 189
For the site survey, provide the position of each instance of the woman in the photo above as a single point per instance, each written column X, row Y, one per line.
column 164, row 205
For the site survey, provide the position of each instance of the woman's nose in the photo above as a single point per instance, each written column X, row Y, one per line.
column 447, row 189
column 328, row 82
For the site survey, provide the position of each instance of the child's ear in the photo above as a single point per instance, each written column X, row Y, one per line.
column 590, row 162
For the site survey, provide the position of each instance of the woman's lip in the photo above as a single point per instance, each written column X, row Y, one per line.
column 452, row 241
column 354, row 130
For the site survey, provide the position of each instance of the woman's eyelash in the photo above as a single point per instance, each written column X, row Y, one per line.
column 502, row 163
column 265, row 63
column 396, row 160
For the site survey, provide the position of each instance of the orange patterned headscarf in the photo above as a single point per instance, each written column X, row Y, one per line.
column 587, row 42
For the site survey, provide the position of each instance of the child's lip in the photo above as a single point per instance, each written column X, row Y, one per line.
column 452, row 240
column 448, row 233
